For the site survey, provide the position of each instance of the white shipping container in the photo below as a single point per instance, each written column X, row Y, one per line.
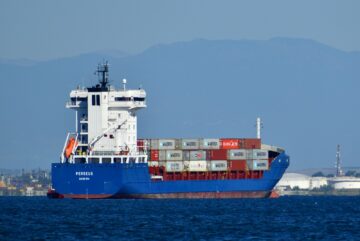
column 198, row 166
column 261, row 154
column 153, row 163
column 174, row 166
column 162, row 155
column 166, row 144
column 197, row 155
column 258, row 154
column 209, row 144
column 154, row 144
column 258, row 165
column 174, row 155
column 219, row 165
column 190, row 144
column 237, row 154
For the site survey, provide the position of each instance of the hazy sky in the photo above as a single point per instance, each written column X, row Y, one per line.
column 51, row 29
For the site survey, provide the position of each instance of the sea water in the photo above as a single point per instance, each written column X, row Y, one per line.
column 285, row 218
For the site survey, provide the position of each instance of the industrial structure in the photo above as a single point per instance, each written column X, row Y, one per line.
column 296, row 181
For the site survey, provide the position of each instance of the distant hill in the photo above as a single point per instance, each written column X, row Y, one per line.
column 307, row 94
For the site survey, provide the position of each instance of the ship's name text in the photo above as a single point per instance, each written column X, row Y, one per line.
column 84, row 174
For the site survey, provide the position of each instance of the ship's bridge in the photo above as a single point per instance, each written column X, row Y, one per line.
column 78, row 99
column 132, row 99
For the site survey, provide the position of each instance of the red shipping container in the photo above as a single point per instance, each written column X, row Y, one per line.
column 140, row 144
column 229, row 143
column 154, row 154
column 252, row 144
column 237, row 165
column 220, row 154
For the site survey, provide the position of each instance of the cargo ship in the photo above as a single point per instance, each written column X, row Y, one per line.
column 103, row 158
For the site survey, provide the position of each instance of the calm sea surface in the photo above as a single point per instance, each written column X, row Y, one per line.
column 286, row 218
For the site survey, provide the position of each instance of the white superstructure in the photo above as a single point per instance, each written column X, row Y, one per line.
column 106, row 122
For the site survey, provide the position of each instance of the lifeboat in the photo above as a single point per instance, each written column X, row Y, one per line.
column 69, row 147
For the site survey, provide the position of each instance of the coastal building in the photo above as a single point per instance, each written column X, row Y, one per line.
column 344, row 182
column 300, row 181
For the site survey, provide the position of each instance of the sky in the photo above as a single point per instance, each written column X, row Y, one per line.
column 46, row 29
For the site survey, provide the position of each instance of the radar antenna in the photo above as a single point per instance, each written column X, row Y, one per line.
column 103, row 74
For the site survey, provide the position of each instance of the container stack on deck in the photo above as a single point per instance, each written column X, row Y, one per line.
column 205, row 159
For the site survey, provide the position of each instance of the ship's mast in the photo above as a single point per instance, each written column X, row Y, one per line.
column 259, row 126
column 339, row 171
column 103, row 73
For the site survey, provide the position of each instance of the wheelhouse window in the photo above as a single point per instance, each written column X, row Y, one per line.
column 129, row 99
column 95, row 99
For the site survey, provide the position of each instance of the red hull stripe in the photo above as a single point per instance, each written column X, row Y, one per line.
column 174, row 195
column 87, row 196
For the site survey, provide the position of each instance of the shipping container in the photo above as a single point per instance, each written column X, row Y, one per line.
column 140, row 142
column 154, row 144
column 190, row 144
column 143, row 144
column 260, row 154
column 257, row 154
column 220, row 154
column 154, row 155
column 209, row 143
column 251, row 143
column 197, row 155
column 218, row 165
column 174, row 166
column 162, row 155
column 238, row 154
column 153, row 163
column 229, row 144
column 258, row 165
column 166, row 144
column 237, row 165
column 198, row 166
column 162, row 144
column 173, row 155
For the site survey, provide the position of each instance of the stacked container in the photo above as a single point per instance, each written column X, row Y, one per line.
column 206, row 155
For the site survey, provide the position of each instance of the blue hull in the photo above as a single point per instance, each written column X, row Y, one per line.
column 133, row 181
